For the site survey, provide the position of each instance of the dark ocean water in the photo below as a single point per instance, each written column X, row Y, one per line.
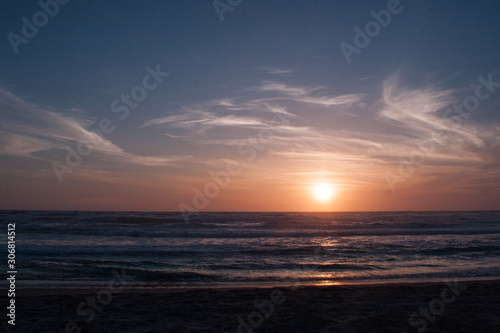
column 68, row 249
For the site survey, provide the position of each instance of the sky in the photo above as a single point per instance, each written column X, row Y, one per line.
column 249, row 105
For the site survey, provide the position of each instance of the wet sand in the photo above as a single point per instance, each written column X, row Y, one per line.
column 465, row 306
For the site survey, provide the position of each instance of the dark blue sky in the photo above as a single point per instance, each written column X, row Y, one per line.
column 226, row 80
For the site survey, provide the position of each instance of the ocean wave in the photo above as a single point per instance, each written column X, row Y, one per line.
column 464, row 249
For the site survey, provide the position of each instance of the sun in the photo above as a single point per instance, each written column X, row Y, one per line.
column 323, row 191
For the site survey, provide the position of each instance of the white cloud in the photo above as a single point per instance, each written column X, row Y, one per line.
column 28, row 128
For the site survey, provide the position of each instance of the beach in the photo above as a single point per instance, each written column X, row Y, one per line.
column 463, row 306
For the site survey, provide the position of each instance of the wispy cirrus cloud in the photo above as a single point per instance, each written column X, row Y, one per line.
column 271, row 70
column 28, row 129
column 196, row 120
column 426, row 114
column 20, row 145
column 247, row 111
column 285, row 89
column 312, row 95
column 388, row 128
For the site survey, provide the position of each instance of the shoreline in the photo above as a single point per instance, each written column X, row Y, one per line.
column 153, row 288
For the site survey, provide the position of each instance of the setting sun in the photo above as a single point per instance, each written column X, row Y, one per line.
column 323, row 192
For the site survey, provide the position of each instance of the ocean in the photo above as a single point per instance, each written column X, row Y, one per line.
column 57, row 249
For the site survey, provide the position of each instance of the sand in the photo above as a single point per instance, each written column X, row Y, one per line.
column 468, row 306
